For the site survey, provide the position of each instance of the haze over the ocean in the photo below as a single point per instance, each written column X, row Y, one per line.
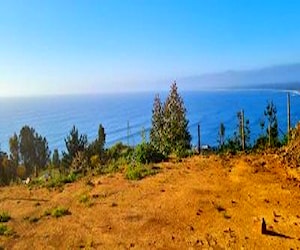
column 72, row 47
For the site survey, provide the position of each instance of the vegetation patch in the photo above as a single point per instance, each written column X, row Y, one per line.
column 5, row 230
column 86, row 200
column 139, row 171
column 4, row 216
column 60, row 181
column 146, row 153
column 57, row 212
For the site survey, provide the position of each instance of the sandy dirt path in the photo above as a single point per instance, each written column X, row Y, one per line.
column 201, row 203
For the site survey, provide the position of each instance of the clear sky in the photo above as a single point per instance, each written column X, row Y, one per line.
column 58, row 47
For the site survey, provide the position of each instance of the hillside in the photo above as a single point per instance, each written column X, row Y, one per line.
column 284, row 77
column 204, row 202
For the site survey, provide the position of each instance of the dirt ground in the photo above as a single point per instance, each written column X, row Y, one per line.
column 204, row 202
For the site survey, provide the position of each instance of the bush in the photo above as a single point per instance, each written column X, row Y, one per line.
column 95, row 161
column 80, row 163
column 57, row 212
column 138, row 172
column 118, row 151
column 112, row 167
column 183, row 153
column 70, row 178
column 145, row 153
column 5, row 230
column 261, row 143
column 86, row 200
column 60, row 181
column 4, row 217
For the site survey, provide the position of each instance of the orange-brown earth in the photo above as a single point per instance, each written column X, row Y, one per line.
column 204, row 202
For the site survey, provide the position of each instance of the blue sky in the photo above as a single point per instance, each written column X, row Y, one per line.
column 61, row 47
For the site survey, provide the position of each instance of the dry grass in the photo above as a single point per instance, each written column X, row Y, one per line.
column 200, row 203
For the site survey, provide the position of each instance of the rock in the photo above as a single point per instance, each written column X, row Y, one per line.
column 263, row 226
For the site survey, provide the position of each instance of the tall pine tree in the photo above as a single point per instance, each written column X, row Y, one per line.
column 169, row 132
column 156, row 132
column 176, row 136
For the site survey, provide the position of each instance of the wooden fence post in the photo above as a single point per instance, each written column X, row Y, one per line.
column 199, row 145
column 288, row 116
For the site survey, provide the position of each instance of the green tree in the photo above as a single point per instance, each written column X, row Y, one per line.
column 42, row 152
column 55, row 159
column 34, row 150
column 14, row 150
column 176, row 137
column 7, row 170
column 97, row 147
column 74, row 143
column 270, row 114
column 101, row 142
column 3, row 172
column 221, row 135
column 236, row 141
column 269, row 127
column 157, row 128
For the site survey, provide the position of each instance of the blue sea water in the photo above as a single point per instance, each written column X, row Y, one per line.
column 124, row 116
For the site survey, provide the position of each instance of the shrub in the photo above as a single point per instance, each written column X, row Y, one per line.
column 86, row 200
column 115, row 165
column 57, row 212
column 261, row 143
column 70, row 178
column 118, row 151
column 36, row 182
column 138, row 172
column 183, row 153
column 5, row 230
column 79, row 163
column 4, row 217
column 95, row 161
column 60, row 181
column 146, row 153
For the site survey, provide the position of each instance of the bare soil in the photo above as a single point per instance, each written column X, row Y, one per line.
column 204, row 202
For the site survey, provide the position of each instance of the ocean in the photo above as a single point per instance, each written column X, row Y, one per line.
column 125, row 116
